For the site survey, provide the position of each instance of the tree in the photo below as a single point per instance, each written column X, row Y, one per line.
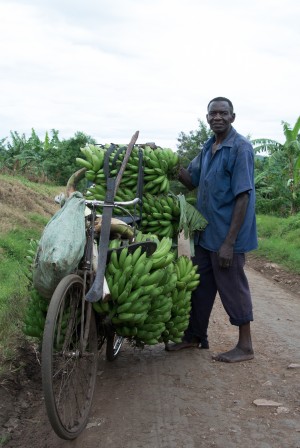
column 286, row 158
column 60, row 162
column 190, row 144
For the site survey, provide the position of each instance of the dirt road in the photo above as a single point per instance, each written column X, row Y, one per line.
column 157, row 399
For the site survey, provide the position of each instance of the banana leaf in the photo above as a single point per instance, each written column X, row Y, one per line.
column 191, row 220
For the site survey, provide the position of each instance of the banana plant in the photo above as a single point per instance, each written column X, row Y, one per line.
column 289, row 153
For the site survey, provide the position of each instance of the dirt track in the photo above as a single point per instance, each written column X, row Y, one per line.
column 157, row 399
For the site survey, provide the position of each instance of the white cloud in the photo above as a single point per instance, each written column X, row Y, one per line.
column 111, row 68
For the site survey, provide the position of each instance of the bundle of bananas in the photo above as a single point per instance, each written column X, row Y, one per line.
column 160, row 164
column 160, row 215
column 187, row 281
column 35, row 315
column 141, row 288
column 160, row 310
column 93, row 162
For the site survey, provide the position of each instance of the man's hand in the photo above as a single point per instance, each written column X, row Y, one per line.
column 225, row 255
column 185, row 178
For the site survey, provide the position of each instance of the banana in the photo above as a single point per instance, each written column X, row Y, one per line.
column 139, row 265
column 84, row 163
column 136, row 255
column 87, row 153
column 122, row 298
column 165, row 185
column 163, row 262
column 154, row 278
column 114, row 259
column 122, row 257
column 96, row 161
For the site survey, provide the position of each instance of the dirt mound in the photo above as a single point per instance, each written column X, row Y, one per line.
column 18, row 202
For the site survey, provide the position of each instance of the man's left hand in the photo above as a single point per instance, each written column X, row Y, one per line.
column 225, row 255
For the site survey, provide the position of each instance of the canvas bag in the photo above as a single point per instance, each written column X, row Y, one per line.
column 61, row 246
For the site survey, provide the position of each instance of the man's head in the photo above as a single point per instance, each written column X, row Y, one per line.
column 220, row 115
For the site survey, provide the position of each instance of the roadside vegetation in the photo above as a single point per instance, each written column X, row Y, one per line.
column 25, row 209
column 32, row 171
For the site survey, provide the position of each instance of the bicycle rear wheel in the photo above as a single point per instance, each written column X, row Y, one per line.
column 68, row 370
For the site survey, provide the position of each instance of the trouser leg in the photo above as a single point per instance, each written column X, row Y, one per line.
column 202, row 298
column 234, row 289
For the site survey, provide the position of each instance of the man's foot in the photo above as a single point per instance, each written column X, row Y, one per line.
column 181, row 345
column 234, row 355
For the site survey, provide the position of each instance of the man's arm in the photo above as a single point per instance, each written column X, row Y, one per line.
column 185, row 178
column 225, row 252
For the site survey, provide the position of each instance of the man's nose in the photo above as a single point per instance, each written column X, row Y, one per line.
column 218, row 115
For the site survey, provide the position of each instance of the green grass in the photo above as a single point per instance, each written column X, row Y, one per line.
column 279, row 240
column 41, row 188
column 13, row 291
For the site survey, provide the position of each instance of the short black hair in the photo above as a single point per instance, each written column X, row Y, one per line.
column 221, row 98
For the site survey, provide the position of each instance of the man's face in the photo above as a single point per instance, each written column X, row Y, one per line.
column 219, row 116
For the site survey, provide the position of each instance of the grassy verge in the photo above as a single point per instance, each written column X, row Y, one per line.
column 279, row 240
column 26, row 208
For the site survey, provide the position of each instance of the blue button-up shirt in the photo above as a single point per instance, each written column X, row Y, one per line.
column 220, row 178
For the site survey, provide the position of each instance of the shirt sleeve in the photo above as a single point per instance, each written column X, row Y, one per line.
column 242, row 179
column 194, row 170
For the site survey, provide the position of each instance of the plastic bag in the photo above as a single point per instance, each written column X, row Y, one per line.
column 61, row 246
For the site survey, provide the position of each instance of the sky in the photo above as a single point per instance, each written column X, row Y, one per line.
column 110, row 68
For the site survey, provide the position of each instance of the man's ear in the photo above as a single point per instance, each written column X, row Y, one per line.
column 207, row 118
column 233, row 118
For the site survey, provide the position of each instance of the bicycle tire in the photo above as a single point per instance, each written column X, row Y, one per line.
column 113, row 345
column 68, row 374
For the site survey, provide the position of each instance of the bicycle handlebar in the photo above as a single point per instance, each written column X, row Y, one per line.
column 96, row 203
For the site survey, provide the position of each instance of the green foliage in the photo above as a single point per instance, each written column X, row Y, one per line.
column 279, row 240
column 190, row 144
column 42, row 160
column 60, row 163
column 13, row 291
column 277, row 179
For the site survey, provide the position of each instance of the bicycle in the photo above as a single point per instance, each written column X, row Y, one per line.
column 74, row 333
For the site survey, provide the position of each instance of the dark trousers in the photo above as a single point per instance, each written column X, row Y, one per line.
column 232, row 285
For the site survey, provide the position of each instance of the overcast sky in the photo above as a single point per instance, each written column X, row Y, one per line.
column 109, row 68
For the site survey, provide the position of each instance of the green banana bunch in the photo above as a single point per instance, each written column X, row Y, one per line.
column 35, row 315
column 187, row 276
column 160, row 215
column 131, row 286
column 93, row 162
column 159, row 167
column 160, row 310
column 187, row 280
column 141, row 290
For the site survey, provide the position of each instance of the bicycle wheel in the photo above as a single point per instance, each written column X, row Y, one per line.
column 113, row 345
column 68, row 370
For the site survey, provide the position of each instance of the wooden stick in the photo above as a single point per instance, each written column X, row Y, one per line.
column 126, row 158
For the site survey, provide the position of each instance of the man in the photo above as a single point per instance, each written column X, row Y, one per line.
column 224, row 175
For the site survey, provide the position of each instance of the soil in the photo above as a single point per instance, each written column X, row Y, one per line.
column 156, row 399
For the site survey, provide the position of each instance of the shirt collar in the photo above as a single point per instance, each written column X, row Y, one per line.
column 229, row 140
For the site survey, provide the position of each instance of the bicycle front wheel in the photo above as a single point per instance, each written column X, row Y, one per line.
column 69, row 367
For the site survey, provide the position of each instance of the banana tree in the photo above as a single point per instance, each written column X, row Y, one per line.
column 289, row 153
